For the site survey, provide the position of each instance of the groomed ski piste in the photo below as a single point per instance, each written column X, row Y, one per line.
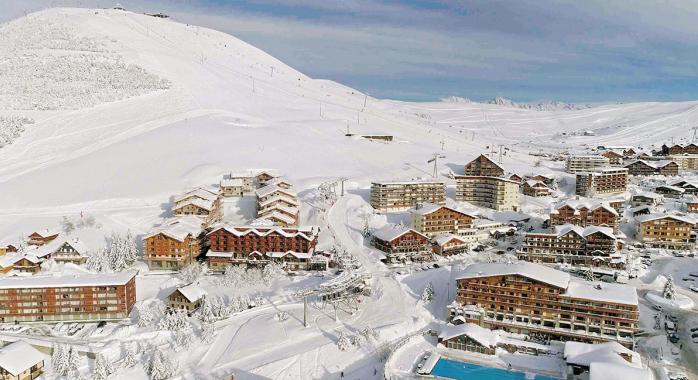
column 187, row 105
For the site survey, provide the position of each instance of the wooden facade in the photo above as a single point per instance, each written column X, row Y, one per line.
column 544, row 303
column 583, row 215
column 534, row 188
column 645, row 168
column 603, row 181
column 402, row 244
column 432, row 220
column 484, row 166
column 665, row 231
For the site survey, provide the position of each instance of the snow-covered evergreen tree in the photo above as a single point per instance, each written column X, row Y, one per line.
column 271, row 273
column 219, row 308
column 149, row 312
column 176, row 320
column 160, row 367
column 428, row 293
column 99, row 262
column 184, row 337
column 208, row 332
column 67, row 225
column 59, row 359
column 73, row 362
column 103, row 368
column 369, row 333
column 357, row 340
column 669, row 288
column 117, row 253
column 130, row 247
column 192, row 272
column 130, row 353
column 205, row 313
column 343, row 341
column 234, row 276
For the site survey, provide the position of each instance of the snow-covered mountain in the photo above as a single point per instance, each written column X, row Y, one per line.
column 129, row 108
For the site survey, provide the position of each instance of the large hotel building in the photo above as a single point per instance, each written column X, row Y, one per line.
column 602, row 181
column 404, row 195
column 545, row 303
column 85, row 297
column 497, row 193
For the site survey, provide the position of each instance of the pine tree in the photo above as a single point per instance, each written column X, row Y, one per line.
column 130, row 247
column 343, row 342
column 59, row 359
column 428, row 293
column 130, row 356
column 184, row 337
column 148, row 313
column 117, row 253
column 669, row 288
column 192, row 272
column 103, row 368
column 589, row 275
column 177, row 320
column 205, row 313
column 160, row 368
column 208, row 332
column 271, row 273
column 73, row 362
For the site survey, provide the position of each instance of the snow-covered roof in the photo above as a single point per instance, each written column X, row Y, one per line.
column 271, row 189
column 391, row 232
column 40, row 281
column 205, row 204
column 485, row 337
column 533, row 271
column 651, row 217
column 445, row 238
column 280, row 197
column 649, row 195
column 278, row 216
column 298, row 255
column 290, row 211
column 606, row 292
column 428, row 208
column 198, row 192
column 653, row 164
column 178, row 228
column 577, row 204
column 535, row 183
column 18, row 357
column 47, row 232
column 277, row 181
column 481, row 156
column 583, row 231
column 231, row 182
column 211, row 253
column 192, row 292
column 583, row 354
column 615, row 371
column 306, row 232
column 407, row 182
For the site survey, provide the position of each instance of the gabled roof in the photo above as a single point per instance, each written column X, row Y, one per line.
column 428, row 208
column 281, row 197
column 533, row 271
column 271, row 189
column 277, row 181
column 675, row 189
column 651, row 217
column 198, row 192
column 485, row 337
column 653, row 164
column 649, row 195
column 584, row 354
column 298, row 255
column 19, row 356
column 198, row 202
column 604, row 292
column 481, row 157
column 446, row 238
column 192, row 292
column 231, row 182
column 305, row 232
column 278, row 216
column 536, row 183
column 390, row 232
column 579, row 204
column 178, row 228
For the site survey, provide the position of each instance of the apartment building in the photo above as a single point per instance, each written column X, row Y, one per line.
column 587, row 246
column 666, row 231
column 278, row 204
column 646, row 199
column 484, row 166
column 685, row 161
column 678, row 149
column 614, row 158
column 249, row 246
column 491, row 192
column 534, row 188
column 403, row 195
column 432, row 219
column 449, row 245
column 545, row 303
column 173, row 245
column 401, row 244
column 85, row 297
column 576, row 164
column 601, row 182
column 645, row 168
column 200, row 202
column 584, row 213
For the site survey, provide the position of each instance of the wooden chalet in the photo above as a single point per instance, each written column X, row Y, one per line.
column 484, row 166
column 402, row 244
column 534, row 188
column 188, row 298
column 21, row 361
column 449, row 245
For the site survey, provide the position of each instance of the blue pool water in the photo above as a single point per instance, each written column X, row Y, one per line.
column 465, row 371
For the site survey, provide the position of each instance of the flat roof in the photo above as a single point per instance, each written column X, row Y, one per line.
column 77, row 280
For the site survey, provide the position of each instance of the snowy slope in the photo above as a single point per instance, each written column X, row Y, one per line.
column 220, row 104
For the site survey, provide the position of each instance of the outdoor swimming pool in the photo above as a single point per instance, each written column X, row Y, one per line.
column 465, row 371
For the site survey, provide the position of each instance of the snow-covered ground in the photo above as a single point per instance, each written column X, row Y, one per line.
column 129, row 110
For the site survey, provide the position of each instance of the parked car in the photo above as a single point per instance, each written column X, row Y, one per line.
column 674, row 338
column 672, row 318
column 693, row 288
column 669, row 326
column 657, row 307
column 694, row 329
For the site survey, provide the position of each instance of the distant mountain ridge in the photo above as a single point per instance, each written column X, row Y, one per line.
column 502, row 101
